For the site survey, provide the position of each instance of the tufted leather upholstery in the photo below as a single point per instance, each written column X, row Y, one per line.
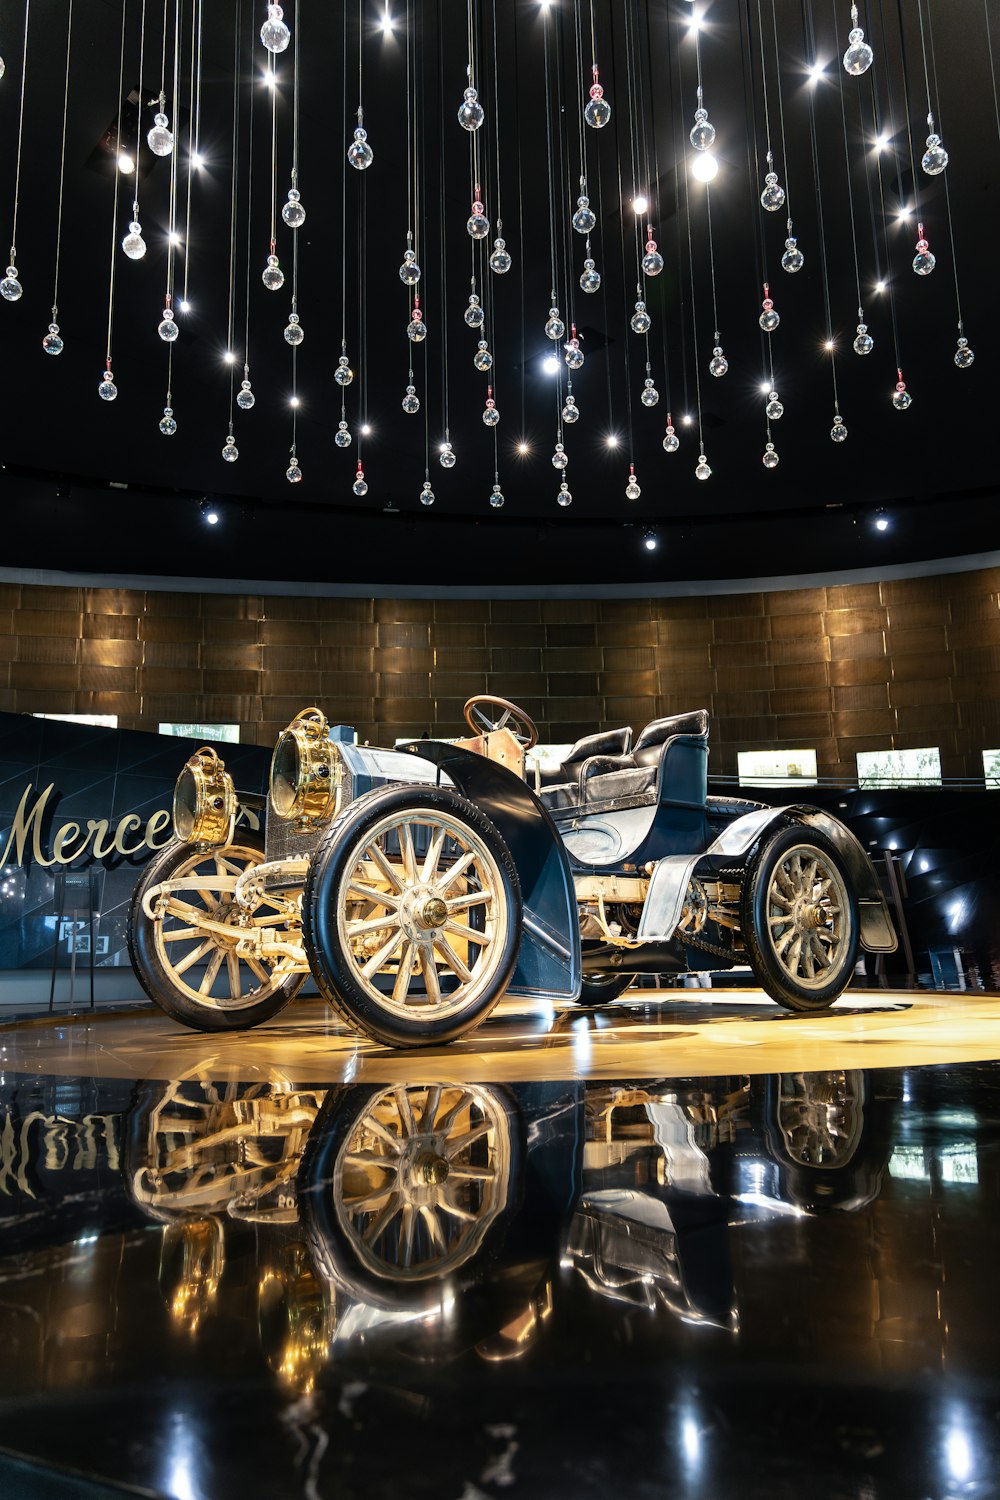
column 646, row 751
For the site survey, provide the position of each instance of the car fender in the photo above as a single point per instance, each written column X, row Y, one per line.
column 549, row 961
column 669, row 882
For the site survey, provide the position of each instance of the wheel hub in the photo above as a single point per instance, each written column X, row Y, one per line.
column 422, row 913
column 422, row 1170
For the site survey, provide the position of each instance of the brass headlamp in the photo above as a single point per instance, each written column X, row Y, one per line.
column 204, row 801
column 307, row 771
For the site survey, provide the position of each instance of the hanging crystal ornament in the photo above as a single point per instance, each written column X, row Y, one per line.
column 447, row 456
column 359, row 153
column 360, row 485
column 768, row 319
column 838, row 431
column 474, row 314
column 230, row 452
column 901, row 397
column 864, row 343
column 773, row 195
column 652, row 261
column 923, row 262
column 342, row 436
column 963, row 354
column 632, row 490
column 107, row 390
column 245, row 398
column 500, row 260
column 159, row 137
column 598, row 110
column 935, row 158
column 671, row 442
column 483, row 359
column 718, row 364
column 701, row 468
column 416, row 328
column 343, row 374
column 650, row 395
column 490, row 416
column 409, row 271
column 292, row 212
column 3, row 67
column 770, row 458
column 496, row 498
column 570, row 411
column 53, row 344
column 590, row 277
column 572, row 353
column 426, row 493
column 793, row 260
column 774, row 409
column 411, row 401
column 477, row 223
column 555, row 328
column 584, row 220
column 272, row 275
column 640, row 322
column 10, row 287
column 560, row 457
column 702, row 132
column 294, row 332
column 858, row 57
column 274, row 33
column 133, row 244
column 168, row 329
column 293, row 473
column 168, row 422
column 564, row 497
column 470, row 112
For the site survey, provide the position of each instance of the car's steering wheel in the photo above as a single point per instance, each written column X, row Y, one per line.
column 485, row 715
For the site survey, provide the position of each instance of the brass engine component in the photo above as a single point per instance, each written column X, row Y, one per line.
column 204, row 801
column 307, row 771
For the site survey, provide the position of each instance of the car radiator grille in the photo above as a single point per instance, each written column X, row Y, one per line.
column 283, row 840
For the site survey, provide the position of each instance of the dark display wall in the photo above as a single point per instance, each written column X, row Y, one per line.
column 905, row 663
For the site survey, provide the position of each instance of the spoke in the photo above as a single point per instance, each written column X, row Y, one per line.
column 458, row 868
column 778, row 898
column 233, row 965
column 823, row 957
column 782, row 879
column 448, row 1120
column 183, row 909
column 406, row 1243
column 473, row 1174
column 463, row 1142
column 194, row 956
column 377, row 1128
column 794, row 956
column 503, row 720
column 473, row 898
column 430, row 1218
column 214, row 965
column 430, row 1109
column 452, row 959
column 408, row 853
column 382, row 1220
column 373, row 894
column 458, row 1213
column 432, row 982
column 371, row 1159
column 807, row 957
column 783, row 941
column 433, row 855
column 179, row 933
column 257, row 968
column 782, row 917
column 368, row 1201
column 382, row 957
column 469, row 934
column 372, row 924
column 401, row 988
column 379, row 858
column 405, row 1110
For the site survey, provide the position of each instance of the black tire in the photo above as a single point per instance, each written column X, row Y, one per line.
column 831, row 1137
column 163, row 986
column 828, row 919
column 601, row 989
column 337, row 968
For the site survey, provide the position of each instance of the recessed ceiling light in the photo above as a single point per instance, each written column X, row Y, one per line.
column 650, row 541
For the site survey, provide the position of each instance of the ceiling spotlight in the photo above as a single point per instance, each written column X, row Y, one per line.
column 386, row 24
column 650, row 541
column 704, row 167
column 765, row 387
column 270, row 80
column 229, row 357
column 209, row 514
column 829, row 346
column 174, row 237
column 640, row 204
column 815, row 73
column 882, row 142
column 125, row 163
column 294, row 401
column 687, row 419
column 612, row 440
column 880, row 286
column 903, row 212
column 197, row 161
column 366, row 430
column 522, row 448
column 550, row 365
column 881, row 520
column 184, row 305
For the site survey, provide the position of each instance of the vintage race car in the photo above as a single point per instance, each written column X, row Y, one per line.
column 418, row 885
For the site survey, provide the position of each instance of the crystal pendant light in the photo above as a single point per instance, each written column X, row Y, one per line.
column 10, row 287
column 272, row 275
column 632, row 490
column 107, row 390
column 133, row 244
column 858, row 57
column 53, row 344
column 863, row 343
column 935, row 158
column 245, row 398
column 773, row 196
column 702, row 132
column 230, row 452
column 793, row 260
column 168, row 422
column 838, row 431
column 598, row 110
column 773, row 409
column 293, row 473
column 490, row 415
column 411, row 401
column 168, row 329
column 590, row 277
column 409, row 271
column 294, row 332
column 963, row 354
column 159, row 137
column 770, row 458
column 3, row 67
column 483, row 359
column 564, row 497
column 343, row 374
column 359, row 153
column 901, row 398
column 572, row 353
column 447, row 456
column 426, row 493
column 342, row 436
column 640, row 321
column 671, row 442
column 474, row 313
column 768, row 319
column 496, row 498
column 470, row 112
column 923, row 262
column 292, row 212
column 500, row 260
column 702, row 470
column 560, row 457
column 584, row 220
column 652, row 261
column 274, row 33
column 360, row 485
column 650, row 395
column 555, row 328
column 570, row 411
column 416, row 328
column 718, row 364
column 477, row 223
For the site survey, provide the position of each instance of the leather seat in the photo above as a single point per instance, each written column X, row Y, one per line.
column 609, row 745
column 600, row 772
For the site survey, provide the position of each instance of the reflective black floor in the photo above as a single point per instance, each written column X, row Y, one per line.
column 778, row 1285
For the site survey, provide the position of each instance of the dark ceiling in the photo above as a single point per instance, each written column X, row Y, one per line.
column 932, row 467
